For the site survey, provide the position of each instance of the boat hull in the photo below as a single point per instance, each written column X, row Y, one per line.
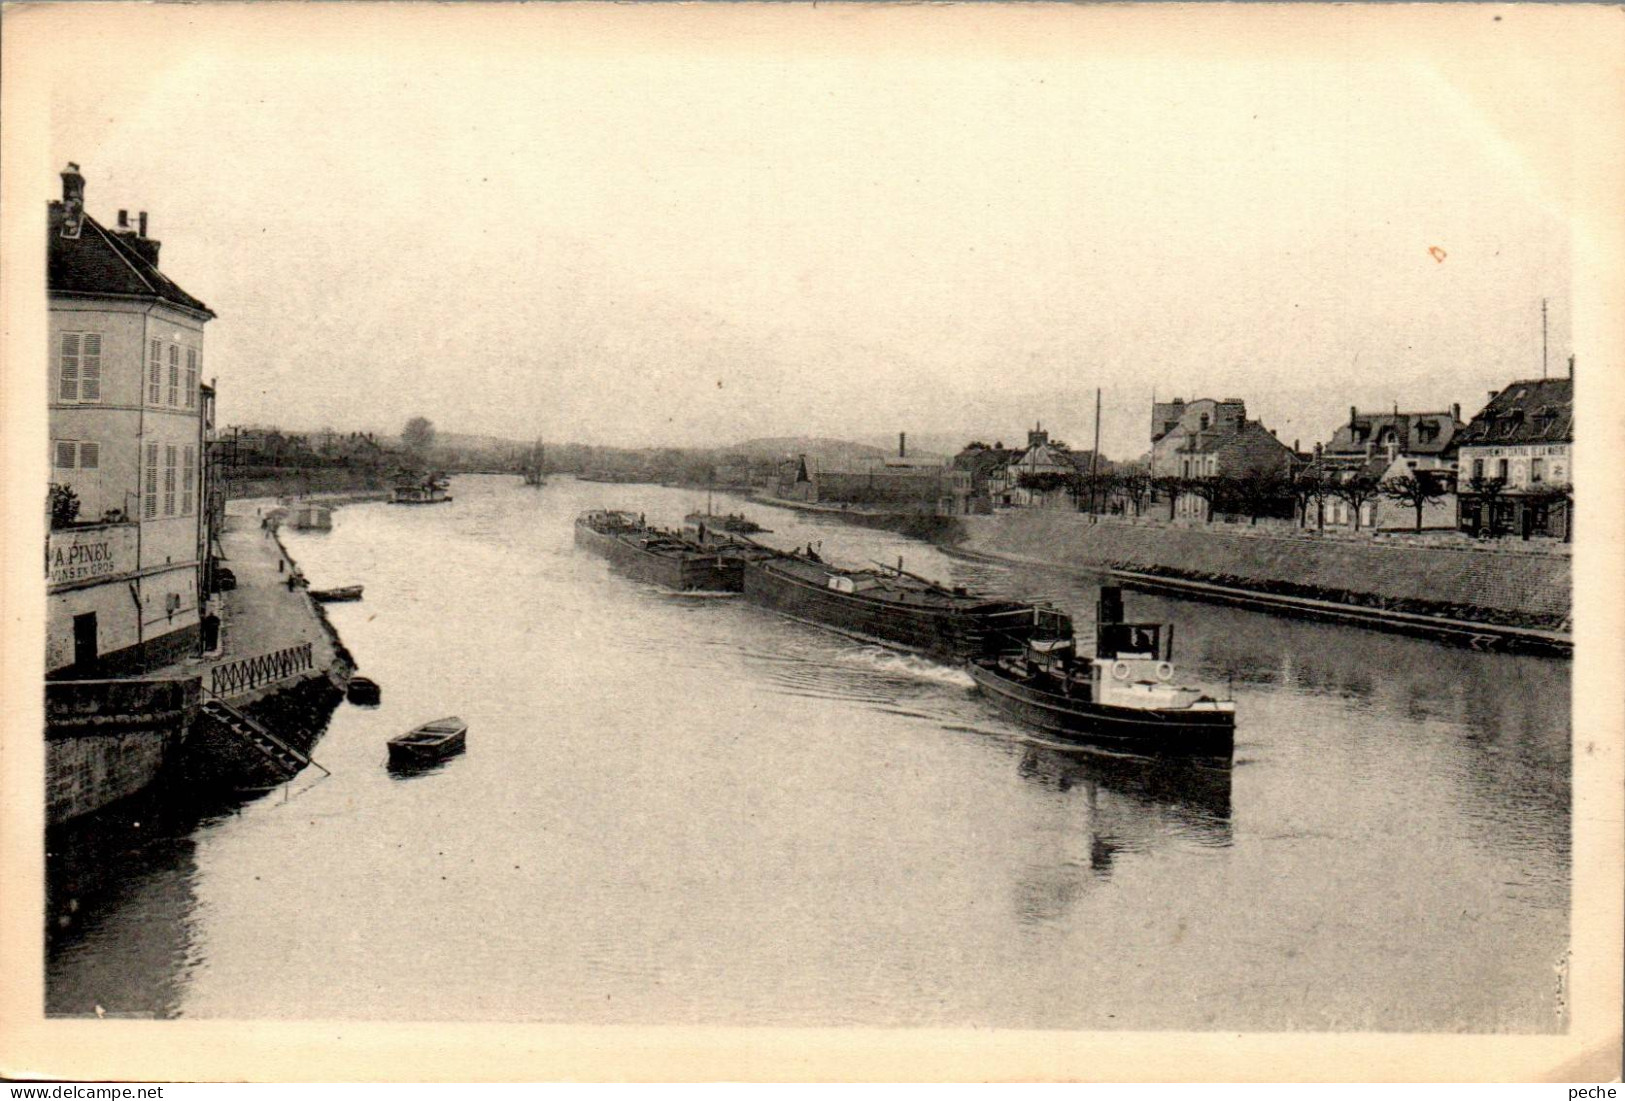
column 943, row 633
column 1176, row 732
column 682, row 572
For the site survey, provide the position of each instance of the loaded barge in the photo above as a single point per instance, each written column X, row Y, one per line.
column 656, row 556
column 898, row 609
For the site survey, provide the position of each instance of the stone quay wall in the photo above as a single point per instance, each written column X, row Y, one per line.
column 107, row 739
column 1505, row 585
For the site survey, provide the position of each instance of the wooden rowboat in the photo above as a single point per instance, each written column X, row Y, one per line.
column 335, row 596
column 426, row 744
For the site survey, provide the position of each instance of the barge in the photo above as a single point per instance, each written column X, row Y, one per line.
column 656, row 556
column 898, row 609
column 1124, row 697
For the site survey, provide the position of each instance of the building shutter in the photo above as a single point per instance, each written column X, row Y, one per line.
column 188, row 480
column 70, row 367
column 174, row 374
column 155, row 373
column 90, row 368
column 64, row 454
column 149, row 505
column 191, row 378
column 169, row 480
column 90, row 456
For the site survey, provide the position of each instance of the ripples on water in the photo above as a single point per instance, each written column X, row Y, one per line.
column 684, row 810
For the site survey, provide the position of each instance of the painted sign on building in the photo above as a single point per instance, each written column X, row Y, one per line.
column 86, row 554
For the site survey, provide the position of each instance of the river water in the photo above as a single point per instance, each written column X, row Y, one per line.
column 680, row 810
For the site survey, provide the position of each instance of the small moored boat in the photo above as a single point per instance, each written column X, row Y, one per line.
column 426, row 744
column 364, row 691
column 336, row 596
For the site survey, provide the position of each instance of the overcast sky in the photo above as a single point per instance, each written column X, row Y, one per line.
column 833, row 221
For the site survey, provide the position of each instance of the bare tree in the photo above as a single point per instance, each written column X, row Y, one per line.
column 1135, row 486
column 1261, row 492
column 1488, row 491
column 1356, row 490
column 1416, row 490
column 1212, row 490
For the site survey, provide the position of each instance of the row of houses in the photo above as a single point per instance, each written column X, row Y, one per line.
column 1508, row 470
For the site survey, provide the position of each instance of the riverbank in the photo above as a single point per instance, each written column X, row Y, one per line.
column 313, row 484
column 279, row 661
column 1461, row 592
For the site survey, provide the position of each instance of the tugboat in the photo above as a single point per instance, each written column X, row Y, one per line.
column 898, row 609
column 1124, row 697
column 660, row 557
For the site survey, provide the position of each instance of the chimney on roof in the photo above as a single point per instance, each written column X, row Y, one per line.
column 1455, row 411
column 1571, row 366
column 1354, row 415
column 73, row 200
column 902, row 445
column 136, row 237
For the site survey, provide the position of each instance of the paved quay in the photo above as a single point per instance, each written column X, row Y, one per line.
column 261, row 615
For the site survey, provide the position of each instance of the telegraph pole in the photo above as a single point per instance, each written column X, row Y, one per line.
column 1094, row 460
column 1542, row 338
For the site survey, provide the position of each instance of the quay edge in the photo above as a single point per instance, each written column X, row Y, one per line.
column 108, row 740
column 1483, row 597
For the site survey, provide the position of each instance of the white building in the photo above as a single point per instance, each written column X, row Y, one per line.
column 1520, row 443
column 127, row 416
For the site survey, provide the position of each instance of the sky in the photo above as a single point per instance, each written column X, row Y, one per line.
column 694, row 227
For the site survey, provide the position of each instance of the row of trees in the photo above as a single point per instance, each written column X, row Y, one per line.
column 1266, row 494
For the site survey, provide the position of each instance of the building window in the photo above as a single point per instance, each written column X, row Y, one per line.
column 1478, row 468
column 155, row 368
column 78, row 455
column 191, row 378
column 1537, row 470
column 79, row 367
column 174, row 374
column 169, row 480
column 188, row 480
column 149, row 503
column 1501, row 469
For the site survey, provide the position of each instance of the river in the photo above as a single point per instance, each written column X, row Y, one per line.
column 685, row 810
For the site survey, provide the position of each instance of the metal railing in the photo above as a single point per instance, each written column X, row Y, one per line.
column 246, row 674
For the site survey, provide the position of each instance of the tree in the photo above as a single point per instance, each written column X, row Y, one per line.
column 1211, row 490
column 418, row 436
column 1416, row 490
column 62, row 504
column 1169, row 486
column 1135, row 485
column 1355, row 491
column 1310, row 486
column 1044, row 481
column 1488, row 492
column 1260, row 492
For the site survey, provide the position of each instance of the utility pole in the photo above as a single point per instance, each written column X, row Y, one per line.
column 1542, row 338
column 1094, row 460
